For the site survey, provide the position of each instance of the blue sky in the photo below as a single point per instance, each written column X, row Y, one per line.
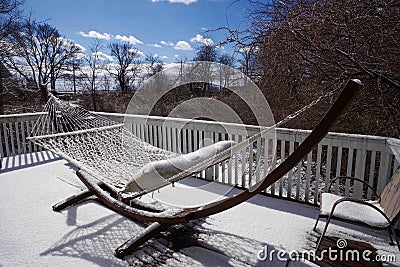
column 163, row 27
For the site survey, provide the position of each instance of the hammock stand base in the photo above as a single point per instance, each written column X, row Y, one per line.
column 108, row 197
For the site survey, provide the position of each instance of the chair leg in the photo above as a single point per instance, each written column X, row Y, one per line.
column 72, row 200
column 323, row 234
column 129, row 246
column 390, row 232
column 316, row 223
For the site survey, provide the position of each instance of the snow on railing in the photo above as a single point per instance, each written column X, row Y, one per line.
column 368, row 157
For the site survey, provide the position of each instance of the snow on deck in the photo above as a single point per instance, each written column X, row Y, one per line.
column 31, row 234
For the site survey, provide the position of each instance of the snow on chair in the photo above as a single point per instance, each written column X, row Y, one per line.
column 378, row 214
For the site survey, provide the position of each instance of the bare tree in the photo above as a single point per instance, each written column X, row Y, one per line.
column 225, row 71
column 309, row 47
column 10, row 16
column 91, row 70
column 127, row 67
column 154, row 65
column 38, row 52
column 72, row 74
column 206, row 53
column 249, row 61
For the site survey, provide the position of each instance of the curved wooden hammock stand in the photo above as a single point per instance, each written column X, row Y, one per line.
column 161, row 221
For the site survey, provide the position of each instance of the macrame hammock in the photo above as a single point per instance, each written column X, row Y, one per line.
column 111, row 153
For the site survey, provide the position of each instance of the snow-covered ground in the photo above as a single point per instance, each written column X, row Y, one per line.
column 31, row 234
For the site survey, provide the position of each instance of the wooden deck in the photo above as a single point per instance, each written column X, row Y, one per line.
column 87, row 234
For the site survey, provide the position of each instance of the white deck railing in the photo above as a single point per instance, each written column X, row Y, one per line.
column 368, row 157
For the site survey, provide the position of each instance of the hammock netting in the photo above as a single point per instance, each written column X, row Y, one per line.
column 114, row 155
column 102, row 147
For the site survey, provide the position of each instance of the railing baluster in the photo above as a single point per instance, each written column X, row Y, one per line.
column 24, row 148
column 258, row 160
column 317, row 174
column 290, row 174
column 164, row 137
column 224, row 178
column 184, row 141
column 174, row 141
column 12, row 140
column 236, row 155
column 298, row 180
column 142, row 132
column 338, row 167
column 283, row 142
column 308, row 177
column 383, row 171
column 266, row 157
column 134, row 130
column 159, row 137
column 328, row 166
column 1, row 144
column 244, row 162
column 28, row 131
column 274, row 158
column 371, row 173
column 190, row 140
column 17, row 139
column 251, row 161
column 230, row 166
column 32, row 124
column 359, row 172
column 151, row 136
column 348, row 171
column 202, row 144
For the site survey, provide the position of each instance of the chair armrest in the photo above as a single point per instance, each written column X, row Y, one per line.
column 353, row 179
column 347, row 199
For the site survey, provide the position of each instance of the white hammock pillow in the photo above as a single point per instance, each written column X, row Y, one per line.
column 154, row 174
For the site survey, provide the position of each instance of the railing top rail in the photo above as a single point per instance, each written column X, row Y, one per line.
column 179, row 121
column 19, row 117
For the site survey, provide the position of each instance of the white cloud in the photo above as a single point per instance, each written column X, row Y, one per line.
column 139, row 53
column 167, row 43
column 97, row 35
column 81, row 47
column 186, row 2
column 131, row 39
column 102, row 56
column 80, row 56
column 183, row 45
column 220, row 47
column 200, row 39
column 248, row 49
column 155, row 45
column 158, row 56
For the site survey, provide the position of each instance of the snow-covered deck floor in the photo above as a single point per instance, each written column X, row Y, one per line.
column 31, row 234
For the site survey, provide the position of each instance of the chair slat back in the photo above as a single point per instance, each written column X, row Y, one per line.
column 390, row 197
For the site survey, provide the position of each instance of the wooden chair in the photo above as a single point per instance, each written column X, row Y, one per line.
column 379, row 214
